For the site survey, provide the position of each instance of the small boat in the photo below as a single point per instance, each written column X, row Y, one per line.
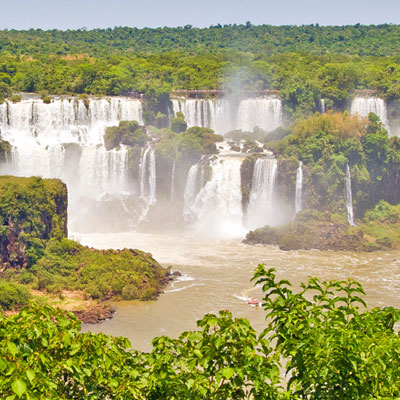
column 253, row 301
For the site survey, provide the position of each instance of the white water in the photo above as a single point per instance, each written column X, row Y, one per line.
column 299, row 189
column 64, row 139
column 349, row 198
column 147, row 176
column 216, row 208
column 323, row 108
column 266, row 113
column 262, row 209
column 224, row 115
column 364, row 105
column 191, row 190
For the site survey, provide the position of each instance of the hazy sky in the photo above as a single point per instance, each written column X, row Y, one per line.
column 73, row 14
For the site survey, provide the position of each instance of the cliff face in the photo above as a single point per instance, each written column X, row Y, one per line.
column 32, row 211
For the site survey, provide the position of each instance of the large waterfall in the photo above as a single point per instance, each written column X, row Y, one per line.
column 364, row 105
column 299, row 189
column 261, row 209
column 64, row 139
column 216, row 207
column 223, row 115
column 349, row 197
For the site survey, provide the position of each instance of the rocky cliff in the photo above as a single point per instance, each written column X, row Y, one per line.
column 32, row 211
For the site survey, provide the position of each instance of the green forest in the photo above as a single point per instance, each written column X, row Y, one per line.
column 304, row 63
column 362, row 40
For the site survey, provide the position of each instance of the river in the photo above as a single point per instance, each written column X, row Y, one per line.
column 216, row 275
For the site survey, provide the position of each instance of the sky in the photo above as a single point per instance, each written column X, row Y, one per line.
column 76, row 14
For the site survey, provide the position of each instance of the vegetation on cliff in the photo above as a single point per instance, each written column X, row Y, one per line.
column 127, row 132
column 36, row 253
column 327, row 144
column 32, row 211
column 321, row 337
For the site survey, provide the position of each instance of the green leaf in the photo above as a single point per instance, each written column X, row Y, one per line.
column 30, row 373
column 228, row 373
column 12, row 348
column 198, row 354
column 3, row 365
column 75, row 348
column 18, row 387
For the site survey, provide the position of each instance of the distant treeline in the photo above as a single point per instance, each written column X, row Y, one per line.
column 372, row 40
column 303, row 63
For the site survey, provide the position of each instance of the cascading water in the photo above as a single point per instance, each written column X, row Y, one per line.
column 192, row 188
column 147, row 175
column 323, row 108
column 349, row 197
column 216, row 209
column 364, row 105
column 64, row 139
column 299, row 189
column 265, row 112
column 223, row 115
column 261, row 208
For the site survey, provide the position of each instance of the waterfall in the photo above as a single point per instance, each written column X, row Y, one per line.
column 147, row 176
column 299, row 189
column 224, row 115
column 172, row 192
column 266, row 113
column 349, row 198
column 364, row 105
column 65, row 139
column 261, row 209
column 192, row 187
column 322, row 105
column 216, row 209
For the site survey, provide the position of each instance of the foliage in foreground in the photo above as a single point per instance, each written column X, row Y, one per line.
column 330, row 350
column 333, row 350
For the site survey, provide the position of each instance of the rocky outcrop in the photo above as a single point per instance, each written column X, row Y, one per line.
column 95, row 314
column 316, row 230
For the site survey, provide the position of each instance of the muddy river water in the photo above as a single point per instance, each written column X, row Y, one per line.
column 216, row 275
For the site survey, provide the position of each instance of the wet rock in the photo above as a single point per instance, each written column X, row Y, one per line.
column 95, row 314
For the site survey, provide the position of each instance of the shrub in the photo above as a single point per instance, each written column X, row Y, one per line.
column 46, row 99
column 15, row 98
column 13, row 295
column 178, row 125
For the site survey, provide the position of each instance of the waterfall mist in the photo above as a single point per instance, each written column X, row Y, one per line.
column 124, row 189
